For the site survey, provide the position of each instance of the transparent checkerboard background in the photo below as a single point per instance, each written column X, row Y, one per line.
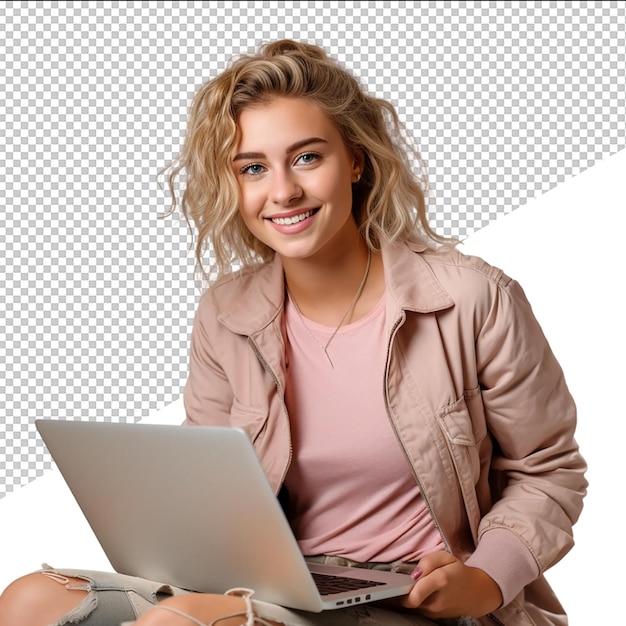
column 506, row 100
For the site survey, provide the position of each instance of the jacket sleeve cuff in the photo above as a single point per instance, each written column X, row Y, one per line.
column 505, row 559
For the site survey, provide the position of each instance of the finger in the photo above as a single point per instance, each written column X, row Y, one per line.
column 433, row 561
column 426, row 586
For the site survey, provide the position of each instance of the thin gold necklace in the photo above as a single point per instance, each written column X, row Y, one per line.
column 357, row 295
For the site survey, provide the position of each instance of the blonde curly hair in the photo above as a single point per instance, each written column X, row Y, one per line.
column 388, row 201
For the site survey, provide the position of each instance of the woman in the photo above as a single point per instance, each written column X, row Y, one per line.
column 402, row 398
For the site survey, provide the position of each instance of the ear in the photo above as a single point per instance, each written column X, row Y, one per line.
column 358, row 164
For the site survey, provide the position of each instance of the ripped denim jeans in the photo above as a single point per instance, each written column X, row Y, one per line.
column 112, row 599
column 118, row 600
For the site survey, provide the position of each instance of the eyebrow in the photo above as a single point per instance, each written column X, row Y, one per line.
column 242, row 156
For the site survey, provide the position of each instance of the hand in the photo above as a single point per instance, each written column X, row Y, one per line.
column 446, row 587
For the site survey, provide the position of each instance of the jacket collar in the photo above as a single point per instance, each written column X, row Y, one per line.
column 410, row 279
column 250, row 299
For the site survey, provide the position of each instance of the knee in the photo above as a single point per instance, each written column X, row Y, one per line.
column 35, row 599
column 19, row 594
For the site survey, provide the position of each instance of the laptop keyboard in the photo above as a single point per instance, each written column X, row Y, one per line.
column 328, row 584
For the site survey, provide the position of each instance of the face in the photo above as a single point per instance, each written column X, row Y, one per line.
column 295, row 174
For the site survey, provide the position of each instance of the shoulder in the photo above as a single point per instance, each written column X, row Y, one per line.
column 244, row 300
column 472, row 284
column 232, row 284
column 470, row 279
column 481, row 292
column 452, row 265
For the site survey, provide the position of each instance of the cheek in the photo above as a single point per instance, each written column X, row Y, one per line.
column 343, row 193
column 336, row 189
column 249, row 202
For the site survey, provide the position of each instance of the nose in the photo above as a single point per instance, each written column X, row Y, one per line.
column 285, row 188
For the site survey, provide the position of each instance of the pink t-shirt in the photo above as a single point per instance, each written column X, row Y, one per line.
column 352, row 489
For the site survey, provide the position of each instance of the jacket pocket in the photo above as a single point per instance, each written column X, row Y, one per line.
column 463, row 421
column 464, row 429
column 250, row 418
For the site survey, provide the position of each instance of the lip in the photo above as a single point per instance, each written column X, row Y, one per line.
column 287, row 222
column 292, row 213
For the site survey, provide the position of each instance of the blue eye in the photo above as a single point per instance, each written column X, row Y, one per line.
column 307, row 158
column 254, row 169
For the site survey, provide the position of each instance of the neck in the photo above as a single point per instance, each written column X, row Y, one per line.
column 324, row 289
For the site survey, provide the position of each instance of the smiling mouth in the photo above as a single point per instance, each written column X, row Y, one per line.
column 294, row 219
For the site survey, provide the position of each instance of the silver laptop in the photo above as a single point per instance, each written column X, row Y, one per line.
column 191, row 506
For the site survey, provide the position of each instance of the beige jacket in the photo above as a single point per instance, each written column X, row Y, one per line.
column 472, row 389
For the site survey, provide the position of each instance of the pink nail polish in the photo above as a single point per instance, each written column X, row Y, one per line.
column 416, row 573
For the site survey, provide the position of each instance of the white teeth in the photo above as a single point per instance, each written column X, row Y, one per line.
column 283, row 221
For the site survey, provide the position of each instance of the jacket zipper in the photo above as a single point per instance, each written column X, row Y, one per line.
column 394, row 329
column 490, row 616
column 270, row 371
